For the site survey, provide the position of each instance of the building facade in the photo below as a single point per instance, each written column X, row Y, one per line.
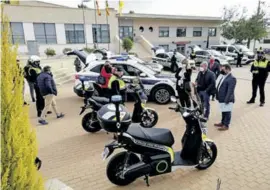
column 37, row 26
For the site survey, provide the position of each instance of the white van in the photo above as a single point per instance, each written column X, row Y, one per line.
column 232, row 50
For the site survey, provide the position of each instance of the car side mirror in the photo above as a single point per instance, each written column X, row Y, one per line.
column 143, row 75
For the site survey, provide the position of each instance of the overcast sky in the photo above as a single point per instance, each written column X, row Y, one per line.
column 178, row 7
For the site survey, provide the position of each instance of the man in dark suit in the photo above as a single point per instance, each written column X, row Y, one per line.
column 214, row 67
column 206, row 84
column 225, row 95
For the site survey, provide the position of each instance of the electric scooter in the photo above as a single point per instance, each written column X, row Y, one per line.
column 149, row 151
column 147, row 117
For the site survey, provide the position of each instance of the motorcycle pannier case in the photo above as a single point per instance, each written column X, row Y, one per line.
column 107, row 118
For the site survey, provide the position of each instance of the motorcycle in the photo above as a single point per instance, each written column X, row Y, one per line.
column 154, row 145
column 147, row 117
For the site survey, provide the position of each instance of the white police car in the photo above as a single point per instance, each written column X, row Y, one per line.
column 158, row 87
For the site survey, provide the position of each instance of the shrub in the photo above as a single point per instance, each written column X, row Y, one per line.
column 127, row 44
column 65, row 50
column 18, row 138
column 50, row 52
column 88, row 50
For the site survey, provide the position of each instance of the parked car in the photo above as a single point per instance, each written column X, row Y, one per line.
column 204, row 55
column 164, row 58
column 102, row 53
column 152, row 65
column 158, row 87
column 232, row 50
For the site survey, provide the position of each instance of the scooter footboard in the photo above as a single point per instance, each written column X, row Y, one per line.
column 160, row 164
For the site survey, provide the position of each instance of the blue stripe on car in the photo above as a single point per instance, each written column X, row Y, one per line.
column 149, row 82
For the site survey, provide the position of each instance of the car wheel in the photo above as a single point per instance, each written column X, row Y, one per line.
column 162, row 95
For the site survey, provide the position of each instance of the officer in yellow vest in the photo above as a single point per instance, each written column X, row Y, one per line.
column 260, row 69
column 192, row 55
column 116, row 85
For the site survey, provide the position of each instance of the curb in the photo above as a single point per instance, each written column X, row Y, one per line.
column 55, row 184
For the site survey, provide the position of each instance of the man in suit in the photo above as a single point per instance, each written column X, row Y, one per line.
column 206, row 84
column 225, row 95
column 214, row 67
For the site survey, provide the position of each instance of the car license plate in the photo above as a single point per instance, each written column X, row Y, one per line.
column 105, row 153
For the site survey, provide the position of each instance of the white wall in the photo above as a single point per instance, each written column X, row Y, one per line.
column 29, row 33
column 89, row 33
column 60, row 33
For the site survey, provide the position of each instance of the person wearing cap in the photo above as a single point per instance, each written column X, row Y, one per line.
column 48, row 90
column 260, row 69
column 116, row 85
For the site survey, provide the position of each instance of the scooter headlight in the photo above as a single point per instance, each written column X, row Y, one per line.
column 186, row 114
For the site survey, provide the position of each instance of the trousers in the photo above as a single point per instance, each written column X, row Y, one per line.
column 49, row 101
column 205, row 98
column 258, row 82
column 226, row 118
column 184, row 98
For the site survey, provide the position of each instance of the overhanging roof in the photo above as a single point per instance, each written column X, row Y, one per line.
column 178, row 17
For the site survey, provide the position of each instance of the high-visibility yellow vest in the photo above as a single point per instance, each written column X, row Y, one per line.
column 122, row 84
column 37, row 70
column 259, row 65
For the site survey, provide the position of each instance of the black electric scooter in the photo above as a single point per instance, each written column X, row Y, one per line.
column 149, row 151
column 147, row 117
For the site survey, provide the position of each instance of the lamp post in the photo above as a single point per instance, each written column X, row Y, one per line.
column 84, row 22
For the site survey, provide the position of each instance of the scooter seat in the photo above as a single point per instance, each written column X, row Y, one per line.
column 154, row 135
column 101, row 100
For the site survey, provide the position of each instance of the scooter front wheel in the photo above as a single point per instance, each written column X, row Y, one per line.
column 149, row 118
column 116, row 166
column 208, row 156
column 90, row 125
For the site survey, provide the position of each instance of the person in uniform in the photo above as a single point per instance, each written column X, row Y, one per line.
column 260, row 69
column 116, row 85
column 173, row 61
column 192, row 55
column 239, row 58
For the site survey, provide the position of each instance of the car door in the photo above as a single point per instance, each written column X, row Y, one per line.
column 199, row 57
column 232, row 51
column 167, row 60
column 206, row 56
column 160, row 59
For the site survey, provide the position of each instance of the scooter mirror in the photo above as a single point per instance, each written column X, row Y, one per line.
column 186, row 114
column 173, row 99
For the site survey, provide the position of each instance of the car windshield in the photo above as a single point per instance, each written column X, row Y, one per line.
column 147, row 70
column 215, row 53
column 244, row 48
column 178, row 55
column 137, row 59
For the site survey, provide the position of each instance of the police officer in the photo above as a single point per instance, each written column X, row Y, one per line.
column 260, row 50
column 116, row 85
column 173, row 62
column 34, row 69
column 259, row 69
column 192, row 55
column 239, row 58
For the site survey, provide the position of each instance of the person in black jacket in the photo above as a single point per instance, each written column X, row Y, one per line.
column 48, row 90
column 183, row 78
column 239, row 58
column 192, row 55
column 260, row 69
column 173, row 62
column 206, row 85
column 215, row 68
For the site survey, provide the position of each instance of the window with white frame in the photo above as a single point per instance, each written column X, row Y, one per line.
column 17, row 33
column 181, row 32
column 45, row 33
column 74, row 33
column 197, row 31
column 212, row 31
column 164, row 32
column 101, row 33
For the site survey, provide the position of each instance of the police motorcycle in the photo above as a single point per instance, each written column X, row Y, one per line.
column 147, row 117
column 148, row 152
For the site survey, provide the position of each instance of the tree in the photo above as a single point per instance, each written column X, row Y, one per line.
column 18, row 139
column 127, row 44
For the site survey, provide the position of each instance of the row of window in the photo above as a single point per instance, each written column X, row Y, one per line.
column 45, row 33
column 182, row 31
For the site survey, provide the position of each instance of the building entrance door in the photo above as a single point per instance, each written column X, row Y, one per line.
column 181, row 48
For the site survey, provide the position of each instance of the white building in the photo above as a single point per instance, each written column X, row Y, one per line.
column 37, row 26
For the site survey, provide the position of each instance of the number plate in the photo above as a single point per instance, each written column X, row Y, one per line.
column 105, row 153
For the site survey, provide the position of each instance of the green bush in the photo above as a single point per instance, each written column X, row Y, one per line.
column 88, row 50
column 127, row 44
column 65, row 50
column 50, row 52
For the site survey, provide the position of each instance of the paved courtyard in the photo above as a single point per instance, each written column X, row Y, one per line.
column 74, row 156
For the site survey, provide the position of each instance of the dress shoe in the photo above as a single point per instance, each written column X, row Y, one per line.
column 261, row 104
column 218, row 124
column 223, row 128
column 250, row 102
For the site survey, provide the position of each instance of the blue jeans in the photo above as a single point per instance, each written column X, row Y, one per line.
column 226, row 118
column 205, row 99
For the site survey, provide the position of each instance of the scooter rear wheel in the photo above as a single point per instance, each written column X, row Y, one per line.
column 89, row 125
column 116, row 165
column 213, row 155
column 152, row 115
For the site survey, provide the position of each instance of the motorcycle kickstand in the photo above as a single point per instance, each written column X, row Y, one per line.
column 147, row 180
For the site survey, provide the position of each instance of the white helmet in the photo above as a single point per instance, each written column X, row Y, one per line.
column 34, row 58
